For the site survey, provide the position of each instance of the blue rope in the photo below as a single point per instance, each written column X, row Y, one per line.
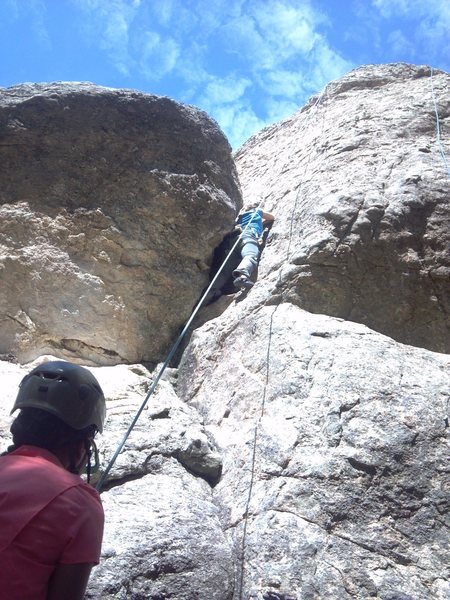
column 438, row 128
column 174, row 348
column 243, row 558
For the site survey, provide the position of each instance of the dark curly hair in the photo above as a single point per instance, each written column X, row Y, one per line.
column 36, row 427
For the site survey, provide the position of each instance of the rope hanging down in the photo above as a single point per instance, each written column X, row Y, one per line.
column 166, row 363
column 438, row 127
column 241, row 577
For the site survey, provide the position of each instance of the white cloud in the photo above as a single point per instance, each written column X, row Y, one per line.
column 277, row 110
column 241, row 40
column 246, row 62
column 158, row 55
column 290, row 84
column 224, row 91
column 269, row 33
column 414, row 8
column 434, row 30
column 38, row 14
column 108, row 24
column 288, row 27
column 164, row 11
column 428, row 22
column 115, row 41
column 192, row 70
column 238, row 121
column 33, row 11
column 389, row 7
column 327, row 66
column 401, row 45
column 271, row 46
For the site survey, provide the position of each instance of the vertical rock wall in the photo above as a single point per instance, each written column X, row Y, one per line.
column 333, row 436
column 296, row 454
column 358, row 180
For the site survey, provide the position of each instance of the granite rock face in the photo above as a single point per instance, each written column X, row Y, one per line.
column 294, row 454
column 163, row 535
column 334, row 453
column 105, row 219
column 358, row 180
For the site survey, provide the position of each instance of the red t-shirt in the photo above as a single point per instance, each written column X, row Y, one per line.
column 48, row 516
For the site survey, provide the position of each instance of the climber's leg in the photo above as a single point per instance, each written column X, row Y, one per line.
column 250, row 255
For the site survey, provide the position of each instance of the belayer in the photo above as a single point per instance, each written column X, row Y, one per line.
column 51, row 520
column 251, row 220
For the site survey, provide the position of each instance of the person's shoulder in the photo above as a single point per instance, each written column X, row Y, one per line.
column 87, row 491
column 82, row 503
column 82, row 496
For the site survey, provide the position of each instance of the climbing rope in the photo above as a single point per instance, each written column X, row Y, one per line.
column 253, row 461
column 438, row 127
column 243, row 558
column 281, row 297
column 166, row 363
column 444, row 160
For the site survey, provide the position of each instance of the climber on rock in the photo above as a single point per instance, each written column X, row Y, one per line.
column 252, row 221
column 51, row 520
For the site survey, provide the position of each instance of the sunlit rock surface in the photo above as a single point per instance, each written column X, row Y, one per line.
column 294, row 453
column 111, row 204
column 335, row 452
column 361, row 193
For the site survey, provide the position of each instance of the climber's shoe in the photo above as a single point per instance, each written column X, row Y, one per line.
column 242, row 282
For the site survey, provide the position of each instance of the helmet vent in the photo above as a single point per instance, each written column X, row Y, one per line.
column 50, row 375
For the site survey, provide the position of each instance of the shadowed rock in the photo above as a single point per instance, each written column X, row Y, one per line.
column 106, row 228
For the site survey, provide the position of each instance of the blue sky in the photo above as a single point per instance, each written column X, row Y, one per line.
column 247, row 63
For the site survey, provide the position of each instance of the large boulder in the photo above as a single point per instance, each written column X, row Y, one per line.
column 111, row 204
column 330, row 440
column 333, row 435
column 361, row 193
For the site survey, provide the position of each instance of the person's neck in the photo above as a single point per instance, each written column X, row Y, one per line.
column 71, row 456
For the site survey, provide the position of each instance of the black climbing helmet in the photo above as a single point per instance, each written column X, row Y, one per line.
column 65, row 390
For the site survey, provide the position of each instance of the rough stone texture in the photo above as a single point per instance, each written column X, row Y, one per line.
column 357, row 178
column 348, row 477
column 163, row 538
column 292, row 455
column 105, row 219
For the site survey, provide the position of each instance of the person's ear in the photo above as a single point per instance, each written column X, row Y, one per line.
column 79, row 454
